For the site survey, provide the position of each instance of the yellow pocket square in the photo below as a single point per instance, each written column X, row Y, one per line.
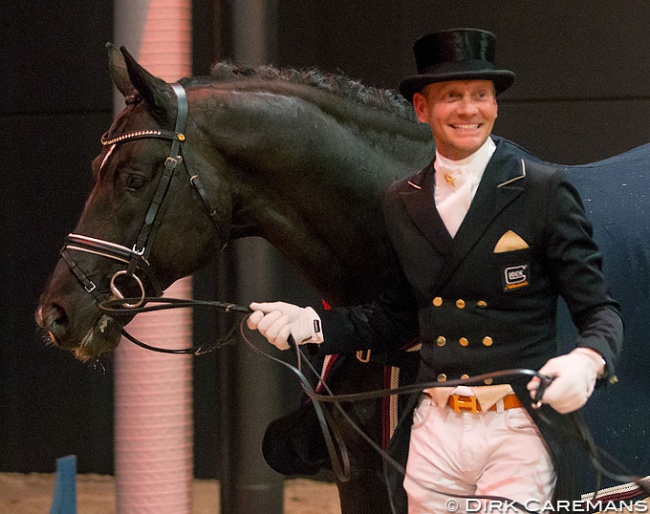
column 510, row 241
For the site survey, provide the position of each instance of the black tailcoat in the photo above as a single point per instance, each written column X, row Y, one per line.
column 478, row 309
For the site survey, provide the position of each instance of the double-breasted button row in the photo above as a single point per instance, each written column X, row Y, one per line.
column 442, row 377
column 463, row 341
column 460, row 303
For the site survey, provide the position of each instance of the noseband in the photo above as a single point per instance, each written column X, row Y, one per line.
column 136, row 259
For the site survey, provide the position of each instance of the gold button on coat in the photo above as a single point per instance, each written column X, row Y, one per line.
column 481, row 304
column 460, row 303
column 463, row 341
column 488, row 381
column 441, row 341
column 437, row 301
column 487, row 341
column 442, row 377
column 464, row 376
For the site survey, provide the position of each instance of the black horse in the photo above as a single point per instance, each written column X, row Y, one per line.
column 250, row 150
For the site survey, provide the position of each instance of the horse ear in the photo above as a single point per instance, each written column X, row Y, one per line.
column 156, row 92
column 118, row 70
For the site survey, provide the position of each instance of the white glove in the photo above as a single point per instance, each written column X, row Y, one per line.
column 575, row 377
column 278, row 320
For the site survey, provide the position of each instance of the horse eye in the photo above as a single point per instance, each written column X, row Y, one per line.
column 134, row 182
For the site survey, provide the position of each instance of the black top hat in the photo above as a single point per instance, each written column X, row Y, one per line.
column 457, row 54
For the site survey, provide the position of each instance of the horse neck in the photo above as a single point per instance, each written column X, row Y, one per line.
column 309, row 171
column 239, row 115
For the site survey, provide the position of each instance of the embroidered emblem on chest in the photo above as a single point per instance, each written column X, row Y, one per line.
column 515, row 277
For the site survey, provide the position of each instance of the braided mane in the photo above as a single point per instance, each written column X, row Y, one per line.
column 335, row 83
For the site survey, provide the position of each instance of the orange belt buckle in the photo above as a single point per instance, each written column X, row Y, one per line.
column 363, row 358
column 463, row 403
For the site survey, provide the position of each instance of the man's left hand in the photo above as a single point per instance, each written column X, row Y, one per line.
column 574, row 377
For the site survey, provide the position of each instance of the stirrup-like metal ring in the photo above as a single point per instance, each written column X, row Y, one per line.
column 118, row 294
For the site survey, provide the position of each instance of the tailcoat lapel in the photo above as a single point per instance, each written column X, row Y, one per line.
column 421, row 207
column 501, row 184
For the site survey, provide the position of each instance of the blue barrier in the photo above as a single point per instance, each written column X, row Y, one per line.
column 65, row 487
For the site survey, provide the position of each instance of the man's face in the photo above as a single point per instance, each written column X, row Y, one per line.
column 461, row 115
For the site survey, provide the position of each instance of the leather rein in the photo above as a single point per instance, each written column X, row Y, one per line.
column 334, row 441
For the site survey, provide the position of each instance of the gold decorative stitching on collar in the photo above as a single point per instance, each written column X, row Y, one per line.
column 523, row 174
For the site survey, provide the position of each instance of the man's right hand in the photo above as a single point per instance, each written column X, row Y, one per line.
column 278, row 320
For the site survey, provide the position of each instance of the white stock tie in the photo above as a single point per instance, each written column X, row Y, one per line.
column 457, row 182
column 453, row 196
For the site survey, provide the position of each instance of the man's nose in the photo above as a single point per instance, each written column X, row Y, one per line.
column 467, row 107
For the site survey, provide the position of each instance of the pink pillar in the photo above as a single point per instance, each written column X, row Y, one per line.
column 153, row 392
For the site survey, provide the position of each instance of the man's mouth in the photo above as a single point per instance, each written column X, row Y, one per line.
column 466, row 126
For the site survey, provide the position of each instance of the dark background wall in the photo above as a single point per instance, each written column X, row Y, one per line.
column 55, row 100
column 582, row 94
column 582, row 90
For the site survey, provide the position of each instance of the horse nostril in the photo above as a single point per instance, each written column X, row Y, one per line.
column 56, row 321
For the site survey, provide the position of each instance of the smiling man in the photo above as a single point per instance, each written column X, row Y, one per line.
column 486, row 239
column 461, row 115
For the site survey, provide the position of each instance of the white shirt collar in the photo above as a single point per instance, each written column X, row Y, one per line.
column 457, row 183
column 472, row 166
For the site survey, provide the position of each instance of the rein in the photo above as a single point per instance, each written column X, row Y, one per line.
column 336, row 447
column 118, row 306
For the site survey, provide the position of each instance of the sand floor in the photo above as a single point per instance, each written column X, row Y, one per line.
column 33, row 493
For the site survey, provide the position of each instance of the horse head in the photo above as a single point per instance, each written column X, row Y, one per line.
column 146, row 208
column 298, row 158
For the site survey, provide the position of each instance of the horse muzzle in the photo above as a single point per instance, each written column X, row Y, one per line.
column 85, row 340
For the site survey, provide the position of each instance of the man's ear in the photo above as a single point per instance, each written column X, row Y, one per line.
column 420, row 107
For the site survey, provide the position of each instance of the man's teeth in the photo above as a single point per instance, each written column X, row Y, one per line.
column 467, row 126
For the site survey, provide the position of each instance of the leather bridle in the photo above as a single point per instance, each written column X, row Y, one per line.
column 136, row 259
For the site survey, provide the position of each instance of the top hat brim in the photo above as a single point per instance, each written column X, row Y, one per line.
column 502, row 79
column 294, row 445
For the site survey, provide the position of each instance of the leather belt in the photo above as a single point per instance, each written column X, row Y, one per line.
column 471, row 404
